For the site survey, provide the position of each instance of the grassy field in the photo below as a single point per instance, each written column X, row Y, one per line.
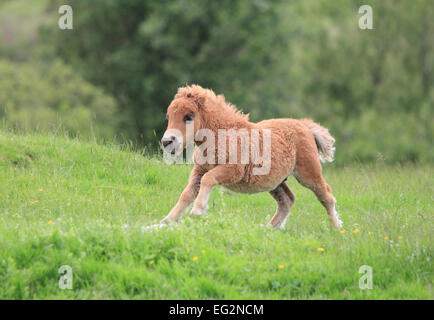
column 67, row 202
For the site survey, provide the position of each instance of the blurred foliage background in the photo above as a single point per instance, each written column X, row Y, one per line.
column 114, row 74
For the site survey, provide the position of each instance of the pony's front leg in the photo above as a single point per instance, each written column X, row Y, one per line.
column 224, row 174
column 187, row 197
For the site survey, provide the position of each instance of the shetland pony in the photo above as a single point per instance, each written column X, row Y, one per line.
column 297, row 147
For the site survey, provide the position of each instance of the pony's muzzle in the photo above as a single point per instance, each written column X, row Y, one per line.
column 170, row 143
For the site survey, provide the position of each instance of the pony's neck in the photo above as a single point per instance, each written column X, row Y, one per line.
column 224, row 118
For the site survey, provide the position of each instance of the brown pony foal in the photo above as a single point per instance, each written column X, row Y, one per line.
column 297, row 146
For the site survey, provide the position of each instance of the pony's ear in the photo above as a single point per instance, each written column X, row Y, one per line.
column 198, row 99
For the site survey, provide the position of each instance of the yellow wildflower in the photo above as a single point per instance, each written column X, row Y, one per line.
column 342, row 231
column 40, row 190
column 151, row 262
column 281, row 266
column 36, row 201
column 50, row 221
column 68, row 204
column 203, row 251
column 356, row 230
column 320, row 249
column 386, row 238
column 195, row 258
column 400, row 237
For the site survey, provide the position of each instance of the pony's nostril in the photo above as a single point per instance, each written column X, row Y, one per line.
column 166, row 142
column 173, row 138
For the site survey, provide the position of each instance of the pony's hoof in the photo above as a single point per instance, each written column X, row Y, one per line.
column 278, row 226
column 197, row 212
column 167, row 220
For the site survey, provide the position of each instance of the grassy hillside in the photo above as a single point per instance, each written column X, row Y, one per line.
column 66, row 202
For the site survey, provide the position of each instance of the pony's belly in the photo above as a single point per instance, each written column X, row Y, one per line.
column 246, row 188
column 259, row 183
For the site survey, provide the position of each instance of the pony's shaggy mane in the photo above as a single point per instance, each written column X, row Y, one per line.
column 214, row 101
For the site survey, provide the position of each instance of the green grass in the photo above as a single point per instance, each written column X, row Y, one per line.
column 114, row 193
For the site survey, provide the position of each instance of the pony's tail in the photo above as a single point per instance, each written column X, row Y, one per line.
column 324, row 140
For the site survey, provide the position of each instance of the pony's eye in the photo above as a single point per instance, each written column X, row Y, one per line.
column 188, row 117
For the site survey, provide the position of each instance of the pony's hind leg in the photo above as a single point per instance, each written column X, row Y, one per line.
column 309, row 173
column 285, row 199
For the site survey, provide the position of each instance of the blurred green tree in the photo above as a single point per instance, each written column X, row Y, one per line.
column 373, row 88
column 47, row 96
column 142, row 51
